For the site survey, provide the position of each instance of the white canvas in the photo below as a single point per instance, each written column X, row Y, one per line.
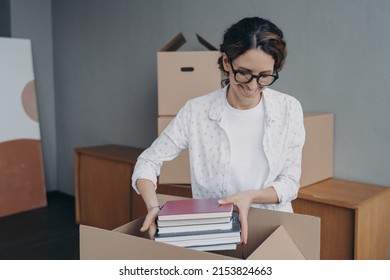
column 22, row 185
column 16, row 72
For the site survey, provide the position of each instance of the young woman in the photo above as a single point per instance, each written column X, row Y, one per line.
column 245, row 140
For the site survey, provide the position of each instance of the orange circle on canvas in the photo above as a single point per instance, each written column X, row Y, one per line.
column 29, row 100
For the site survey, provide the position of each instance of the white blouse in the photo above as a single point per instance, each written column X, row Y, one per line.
column 201, row 127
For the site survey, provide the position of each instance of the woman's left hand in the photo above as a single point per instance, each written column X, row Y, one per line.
column 242, row 200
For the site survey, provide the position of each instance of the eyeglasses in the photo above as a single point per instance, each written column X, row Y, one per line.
column 244, row 77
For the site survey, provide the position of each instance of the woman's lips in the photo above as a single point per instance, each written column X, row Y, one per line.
column 248, row 92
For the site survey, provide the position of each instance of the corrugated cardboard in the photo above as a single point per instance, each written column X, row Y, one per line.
column 317, row 154
column 267, row 250
column 272, row 235
column 185, row 75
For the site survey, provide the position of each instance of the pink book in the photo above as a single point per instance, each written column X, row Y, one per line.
column 194, row 209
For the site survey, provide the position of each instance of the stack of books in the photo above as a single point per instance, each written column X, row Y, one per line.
column 199, row 224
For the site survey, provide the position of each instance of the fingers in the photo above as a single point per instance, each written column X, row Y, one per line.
column 150, row 223
column 152, row 230
column 226, row 200
column 147, row 222
column 242, row 203
column 244, row 226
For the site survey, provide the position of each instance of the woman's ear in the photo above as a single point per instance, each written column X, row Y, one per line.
column 225, row 62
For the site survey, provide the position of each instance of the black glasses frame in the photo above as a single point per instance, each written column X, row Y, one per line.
column 257, row 77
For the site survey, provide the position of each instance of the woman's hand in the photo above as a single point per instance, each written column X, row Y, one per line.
column 242, row 200
column 148, row 193
column 150, row 222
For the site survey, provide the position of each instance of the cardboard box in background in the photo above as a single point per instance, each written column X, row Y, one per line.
column 176, row 171
column 317, row 154
column 272, row 235
column 185, row 75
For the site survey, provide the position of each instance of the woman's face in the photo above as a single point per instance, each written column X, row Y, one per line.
column 255, row 61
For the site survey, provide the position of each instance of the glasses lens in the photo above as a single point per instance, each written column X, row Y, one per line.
column 242, row 77
column 265, row 80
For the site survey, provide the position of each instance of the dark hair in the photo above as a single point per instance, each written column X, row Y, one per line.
column 253, row 33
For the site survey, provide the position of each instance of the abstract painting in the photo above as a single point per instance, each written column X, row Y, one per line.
column 22, row 184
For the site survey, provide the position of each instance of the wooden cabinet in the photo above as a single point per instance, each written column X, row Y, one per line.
column 103, row 190
column 355, row 218
column 103, row 193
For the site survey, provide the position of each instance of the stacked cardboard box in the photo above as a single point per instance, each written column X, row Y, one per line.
column 317, row 154
column 181, row 76
column 184, row 75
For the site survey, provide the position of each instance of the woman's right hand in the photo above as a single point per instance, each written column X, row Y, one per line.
column 148, row 192
column 150, row 222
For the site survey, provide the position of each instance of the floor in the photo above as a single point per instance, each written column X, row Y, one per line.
column 48, row 233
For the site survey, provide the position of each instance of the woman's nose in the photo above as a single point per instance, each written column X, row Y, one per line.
column 253, row 84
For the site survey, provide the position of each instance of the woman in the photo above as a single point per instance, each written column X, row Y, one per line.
column 245, row 140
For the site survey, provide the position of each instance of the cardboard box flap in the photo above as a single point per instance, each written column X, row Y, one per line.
column 120, row 244
column 174, row 44
column 205, row 43
column 278, row 246
column 304, row 230
column 179, row 40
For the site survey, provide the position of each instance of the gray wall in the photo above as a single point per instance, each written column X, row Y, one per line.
column 105, row 70
column 104, row 57
column 32, row 20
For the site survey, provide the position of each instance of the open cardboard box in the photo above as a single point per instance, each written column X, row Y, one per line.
column 182, row 75
column 273, row 235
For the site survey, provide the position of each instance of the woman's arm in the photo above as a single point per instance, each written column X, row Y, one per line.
column 148, row 193
column 286, row 184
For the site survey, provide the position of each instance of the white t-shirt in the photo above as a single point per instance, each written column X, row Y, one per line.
column 249, row 166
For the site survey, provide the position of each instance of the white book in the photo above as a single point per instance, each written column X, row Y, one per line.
column 219, row 247
column 196, row 227
column 204, row 242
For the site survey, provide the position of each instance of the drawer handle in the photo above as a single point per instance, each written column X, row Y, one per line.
column 187, row 69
